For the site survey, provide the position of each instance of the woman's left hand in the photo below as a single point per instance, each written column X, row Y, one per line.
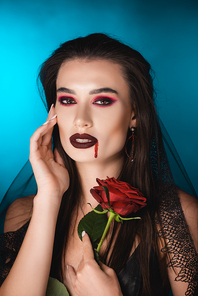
column 90, row 279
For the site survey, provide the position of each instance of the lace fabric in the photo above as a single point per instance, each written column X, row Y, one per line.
column 171, row 220
column 180, row 246
column 10, row 243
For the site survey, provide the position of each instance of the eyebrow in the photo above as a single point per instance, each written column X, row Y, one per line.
column 104, row 89
column 66, row 90
column 92, row 92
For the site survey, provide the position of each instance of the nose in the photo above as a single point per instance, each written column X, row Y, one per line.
column 83, row 118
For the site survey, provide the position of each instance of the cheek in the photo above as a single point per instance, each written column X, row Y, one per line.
column 119, row 138
column 121, row 124
column 63, row 126
column 117, row 132
column 64, row 118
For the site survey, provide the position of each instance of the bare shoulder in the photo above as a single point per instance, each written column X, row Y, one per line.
column 189, row 205
column 18, row 213
column 188, row 202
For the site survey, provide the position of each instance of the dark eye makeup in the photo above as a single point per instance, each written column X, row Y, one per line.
column 101, row 101
column 104, row 101
column 66, row 100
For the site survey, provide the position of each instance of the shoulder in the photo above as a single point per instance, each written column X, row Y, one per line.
column 18, row 213
column 188, row 202
column 189, row 206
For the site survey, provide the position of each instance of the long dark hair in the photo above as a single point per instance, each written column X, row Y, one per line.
column 145, row 172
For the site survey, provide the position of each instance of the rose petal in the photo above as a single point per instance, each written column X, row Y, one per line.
column 124, row 198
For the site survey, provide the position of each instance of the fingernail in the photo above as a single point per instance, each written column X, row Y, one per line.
column 53, row 117
column 83, row 233
column 50, row 119
column 67, row 266
column 51, row 107
column 46, row 122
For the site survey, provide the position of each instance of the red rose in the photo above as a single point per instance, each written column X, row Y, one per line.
column 124, row 199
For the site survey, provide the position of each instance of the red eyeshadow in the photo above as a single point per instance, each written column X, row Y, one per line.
column 104, row 97
column 66, row 97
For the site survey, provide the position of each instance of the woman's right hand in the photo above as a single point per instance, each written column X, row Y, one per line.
column 33, row 261
column 51, row 176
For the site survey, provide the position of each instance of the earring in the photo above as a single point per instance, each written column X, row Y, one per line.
column 133, row 144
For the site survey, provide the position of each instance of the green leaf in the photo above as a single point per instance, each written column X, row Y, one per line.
column 56, row 288
column 93, row 224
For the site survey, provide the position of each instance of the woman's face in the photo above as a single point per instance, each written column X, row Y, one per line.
column 93, row 109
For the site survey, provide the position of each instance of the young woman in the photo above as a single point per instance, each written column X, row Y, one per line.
column 99, row 91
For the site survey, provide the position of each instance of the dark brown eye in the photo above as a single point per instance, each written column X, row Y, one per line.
column 67, row 100
column 103, row 101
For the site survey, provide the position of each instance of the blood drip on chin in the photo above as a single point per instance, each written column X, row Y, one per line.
column 96, row 150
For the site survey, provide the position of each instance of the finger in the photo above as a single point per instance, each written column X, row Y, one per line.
column 46, row 133
column 49, row 146
column 37, row 138
column 46, row 129
column 51, row 112
column 51, row 115
column 47, row 126
column 58, row 158
column 51, row 121
column 47, row 136
column 87, row 247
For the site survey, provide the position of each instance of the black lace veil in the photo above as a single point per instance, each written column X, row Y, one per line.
column 174, row 230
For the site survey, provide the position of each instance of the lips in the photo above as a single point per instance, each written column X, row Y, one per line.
column 82, row 141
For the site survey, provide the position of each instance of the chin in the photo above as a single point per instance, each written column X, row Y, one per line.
column 81, row 156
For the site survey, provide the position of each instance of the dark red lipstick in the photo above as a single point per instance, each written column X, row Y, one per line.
column 82, row 141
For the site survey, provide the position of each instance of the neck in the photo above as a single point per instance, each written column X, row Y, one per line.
column 89, row 172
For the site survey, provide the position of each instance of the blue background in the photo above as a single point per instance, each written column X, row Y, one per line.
column 165, row 32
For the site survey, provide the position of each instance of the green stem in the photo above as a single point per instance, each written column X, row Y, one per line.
column 133, row 218
column 111, row 216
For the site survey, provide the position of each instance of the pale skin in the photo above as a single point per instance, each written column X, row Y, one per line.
column 83, row 276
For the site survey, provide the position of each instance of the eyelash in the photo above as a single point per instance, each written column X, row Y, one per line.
column 106, row 101
column 100, row 101
column 66, row 101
